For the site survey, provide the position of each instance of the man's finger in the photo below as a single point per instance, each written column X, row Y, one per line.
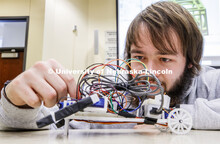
column 69, row 79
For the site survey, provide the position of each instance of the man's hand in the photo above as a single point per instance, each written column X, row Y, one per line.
column 40, row 83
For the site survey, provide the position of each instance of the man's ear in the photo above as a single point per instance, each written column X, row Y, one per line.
column 190, row 65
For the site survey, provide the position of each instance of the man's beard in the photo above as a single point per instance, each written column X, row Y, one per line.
column 180, row 86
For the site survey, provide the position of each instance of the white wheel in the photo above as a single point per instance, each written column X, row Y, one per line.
column 179, row 121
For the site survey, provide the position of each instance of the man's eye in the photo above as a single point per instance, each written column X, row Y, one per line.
column 139, row 57
column 165, row 59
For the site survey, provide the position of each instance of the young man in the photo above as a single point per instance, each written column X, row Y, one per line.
column 163, row 36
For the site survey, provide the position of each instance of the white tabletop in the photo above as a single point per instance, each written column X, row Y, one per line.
column 109, row 136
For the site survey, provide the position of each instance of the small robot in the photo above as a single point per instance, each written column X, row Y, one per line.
column 112, row 98
column 175, row 120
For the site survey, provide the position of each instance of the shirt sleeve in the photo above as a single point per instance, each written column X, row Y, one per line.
column 205, row 113
column 12, row 117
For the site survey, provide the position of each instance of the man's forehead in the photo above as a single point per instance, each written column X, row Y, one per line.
column 170, row 45
column 142, row 50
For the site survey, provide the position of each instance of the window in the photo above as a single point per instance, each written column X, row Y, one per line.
column 13, row 33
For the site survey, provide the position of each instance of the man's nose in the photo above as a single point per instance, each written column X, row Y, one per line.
column 152, row 67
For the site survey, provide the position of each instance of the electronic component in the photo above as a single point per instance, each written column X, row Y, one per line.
column 135, row 96
column 67, row 111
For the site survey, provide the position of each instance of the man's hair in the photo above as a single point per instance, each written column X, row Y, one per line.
column 160, row 19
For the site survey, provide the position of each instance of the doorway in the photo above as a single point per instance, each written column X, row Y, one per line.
column 13, row 47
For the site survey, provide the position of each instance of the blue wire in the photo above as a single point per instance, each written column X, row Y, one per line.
column 133, row 109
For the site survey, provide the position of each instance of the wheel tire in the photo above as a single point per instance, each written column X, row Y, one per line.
column 179, row 121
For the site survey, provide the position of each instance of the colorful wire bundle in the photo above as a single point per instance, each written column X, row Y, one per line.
column 122, row 89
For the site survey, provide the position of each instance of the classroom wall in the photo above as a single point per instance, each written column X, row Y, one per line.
column 102, row 17
column 35, row 10
column 75, row 50
column 36, row 31
column 60, row 41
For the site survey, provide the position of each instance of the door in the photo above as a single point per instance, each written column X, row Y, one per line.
column 11, row 65
column 13, row 46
